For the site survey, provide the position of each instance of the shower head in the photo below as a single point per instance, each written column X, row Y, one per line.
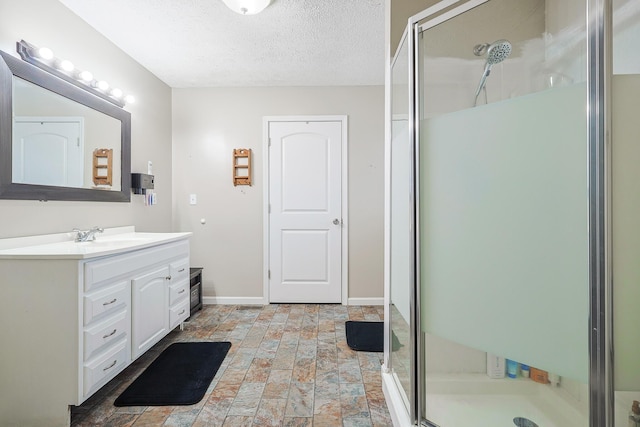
column 496, row 52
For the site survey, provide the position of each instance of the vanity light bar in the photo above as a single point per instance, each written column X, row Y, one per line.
column 44, row 59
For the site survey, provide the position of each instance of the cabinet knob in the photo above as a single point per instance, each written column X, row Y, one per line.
column 168, row 278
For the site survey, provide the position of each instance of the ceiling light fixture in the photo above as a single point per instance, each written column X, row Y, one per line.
column 44, row 59
column 247, row 7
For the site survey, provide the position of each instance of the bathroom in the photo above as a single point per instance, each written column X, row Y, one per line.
column 188, row 134
column 174, row 127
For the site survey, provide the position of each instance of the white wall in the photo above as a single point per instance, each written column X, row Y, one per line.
column 49, row 23
column 626, row 231
column 209, row 123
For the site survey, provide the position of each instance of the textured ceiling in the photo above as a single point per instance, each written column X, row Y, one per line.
column 201, row 43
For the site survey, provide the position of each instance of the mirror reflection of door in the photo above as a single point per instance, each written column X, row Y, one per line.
column 48, row 151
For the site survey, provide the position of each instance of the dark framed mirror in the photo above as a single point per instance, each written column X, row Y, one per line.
column 54, row 136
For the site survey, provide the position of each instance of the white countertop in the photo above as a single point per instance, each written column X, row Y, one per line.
column 62, row 246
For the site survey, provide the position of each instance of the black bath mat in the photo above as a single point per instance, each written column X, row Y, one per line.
column 179, row 376
column 368, row 336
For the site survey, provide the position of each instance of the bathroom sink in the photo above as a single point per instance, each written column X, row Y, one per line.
column 112, row 243
column 109, row 243
column 116, row 241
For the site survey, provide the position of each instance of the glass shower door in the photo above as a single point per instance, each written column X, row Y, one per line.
column 401, row 282
column 503, row 242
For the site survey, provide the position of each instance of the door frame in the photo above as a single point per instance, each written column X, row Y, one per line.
column 344, row 197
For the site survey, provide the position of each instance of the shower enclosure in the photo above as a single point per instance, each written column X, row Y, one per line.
column 511, row 182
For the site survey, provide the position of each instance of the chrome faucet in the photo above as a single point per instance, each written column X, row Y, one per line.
column 88, row 235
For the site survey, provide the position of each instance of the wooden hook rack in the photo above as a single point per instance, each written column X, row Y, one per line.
column 242, row 166
column 102, row 166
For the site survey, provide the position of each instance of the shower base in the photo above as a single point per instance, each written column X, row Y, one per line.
column 474, row 399
column 454, row 400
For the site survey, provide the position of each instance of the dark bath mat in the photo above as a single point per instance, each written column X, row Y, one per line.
column 368, row 336
column 179, row 376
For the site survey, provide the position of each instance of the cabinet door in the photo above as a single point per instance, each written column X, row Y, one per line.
column 150, row 321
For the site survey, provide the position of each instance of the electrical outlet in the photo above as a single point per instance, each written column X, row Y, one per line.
column 193, row 199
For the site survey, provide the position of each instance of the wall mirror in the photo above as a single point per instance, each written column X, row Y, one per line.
column 49, row 133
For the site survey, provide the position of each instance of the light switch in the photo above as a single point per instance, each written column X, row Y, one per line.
column 193, row 199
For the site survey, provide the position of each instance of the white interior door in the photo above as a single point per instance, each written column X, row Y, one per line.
column 48, row 151
column 305, row 220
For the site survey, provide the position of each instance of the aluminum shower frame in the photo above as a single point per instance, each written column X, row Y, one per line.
column 599, row 70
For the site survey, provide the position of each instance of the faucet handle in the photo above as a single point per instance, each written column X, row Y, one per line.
column 80, row 235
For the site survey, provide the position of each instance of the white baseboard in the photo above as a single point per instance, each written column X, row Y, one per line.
column 365, row 301
column 234, row 300
column 395, row 403
column 261, row 301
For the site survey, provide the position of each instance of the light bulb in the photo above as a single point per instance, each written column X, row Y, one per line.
column 116, row 93
column 45, row 53
column 66, row 65
column 102, row 85
column 130, row 99
column 86, row 76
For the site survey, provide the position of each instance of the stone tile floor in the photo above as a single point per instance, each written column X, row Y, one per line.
column 289, row 365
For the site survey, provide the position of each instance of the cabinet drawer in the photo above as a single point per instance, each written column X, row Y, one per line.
column 103, row 368
column 106, row 301
column 178, row 291
column 104, row 333
column 96, row 273
column 178, row 313
column 179, row 269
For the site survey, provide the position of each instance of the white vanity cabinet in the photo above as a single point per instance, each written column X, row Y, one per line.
column 146, row 276
column 72, row 322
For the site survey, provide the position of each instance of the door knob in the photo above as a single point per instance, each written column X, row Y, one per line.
column 336, row 221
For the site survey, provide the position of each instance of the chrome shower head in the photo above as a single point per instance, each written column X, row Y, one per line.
column 496, row 52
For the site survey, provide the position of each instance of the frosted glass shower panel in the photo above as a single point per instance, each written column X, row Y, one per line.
column 400, row 219
column 399, row 238
column 504, row 238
